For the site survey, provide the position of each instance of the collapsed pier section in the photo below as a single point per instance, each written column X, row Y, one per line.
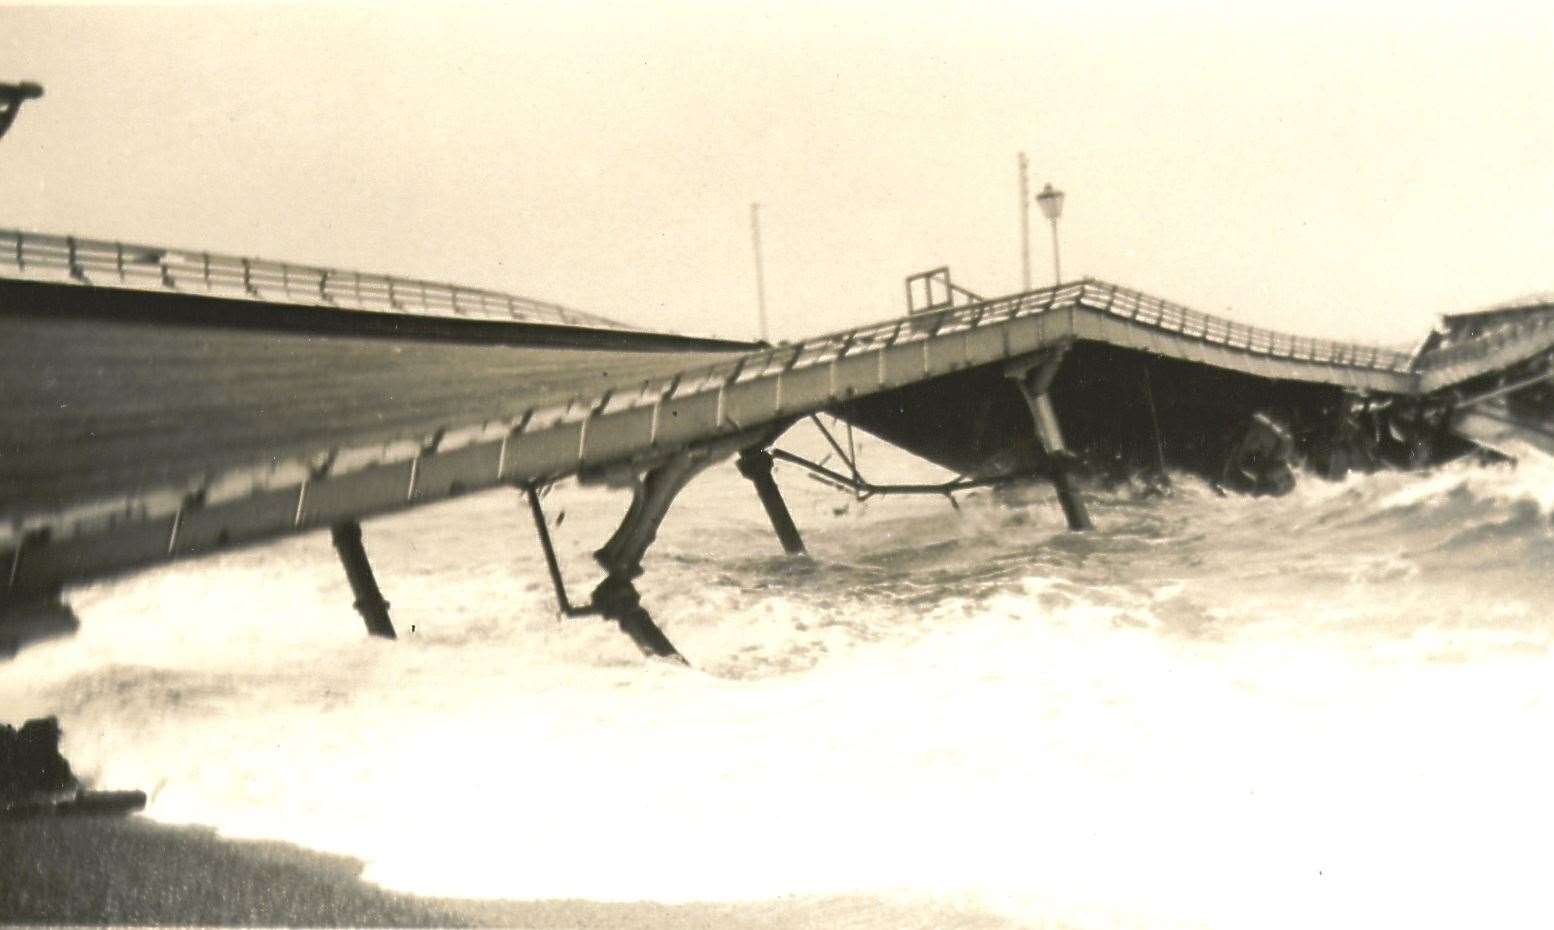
column 971, row 385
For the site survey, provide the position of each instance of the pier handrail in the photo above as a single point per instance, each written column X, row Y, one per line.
column 120, row 264
column 542, row 437
column 1089, row 293
column 144, row 267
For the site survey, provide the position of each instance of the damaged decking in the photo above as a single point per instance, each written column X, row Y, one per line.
column 190, row 410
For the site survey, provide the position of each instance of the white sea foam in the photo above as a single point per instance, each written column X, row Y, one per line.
column 1325, row 710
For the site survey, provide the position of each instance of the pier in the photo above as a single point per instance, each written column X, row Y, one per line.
column 163, row 404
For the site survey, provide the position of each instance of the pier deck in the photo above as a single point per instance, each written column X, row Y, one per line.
column 170, row 404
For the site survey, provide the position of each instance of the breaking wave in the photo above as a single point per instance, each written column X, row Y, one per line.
column 1324, row 709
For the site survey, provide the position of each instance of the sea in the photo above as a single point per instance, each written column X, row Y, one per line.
column 1332, row 709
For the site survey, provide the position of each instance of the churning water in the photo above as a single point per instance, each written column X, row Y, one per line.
column 1331, row 709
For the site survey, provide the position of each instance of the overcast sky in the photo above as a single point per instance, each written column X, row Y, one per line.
column 1329, row 171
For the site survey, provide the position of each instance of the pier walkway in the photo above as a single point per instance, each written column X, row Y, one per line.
column 161, row 404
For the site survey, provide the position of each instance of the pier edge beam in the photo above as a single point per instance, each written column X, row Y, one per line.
column 653, row 489
column 347, row 537
column 1033, row 378
column 756, row 465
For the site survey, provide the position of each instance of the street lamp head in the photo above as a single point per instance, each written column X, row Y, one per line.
column 11, row 98
column 14, row 94
column 1051, row 202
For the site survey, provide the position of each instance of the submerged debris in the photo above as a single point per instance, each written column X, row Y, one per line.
column 35, row 779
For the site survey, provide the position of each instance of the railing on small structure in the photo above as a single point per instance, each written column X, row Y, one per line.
column 144, row 267
column 931, row 291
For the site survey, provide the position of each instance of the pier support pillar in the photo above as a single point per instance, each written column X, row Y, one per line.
column 1033, row 379
column 347, row 536
column 652, row 491
column 28, row 617
column 756, row 464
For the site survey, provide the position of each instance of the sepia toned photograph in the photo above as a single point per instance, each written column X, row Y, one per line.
column 690, row 465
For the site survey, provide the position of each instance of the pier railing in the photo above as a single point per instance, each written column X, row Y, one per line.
column 144, row 267
column 1175, row 318
column 723, row 380
column 121, row 264
column 536, row 438
column 1097, row 296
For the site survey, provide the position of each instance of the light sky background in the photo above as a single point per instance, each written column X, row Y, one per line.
column 1336, row 171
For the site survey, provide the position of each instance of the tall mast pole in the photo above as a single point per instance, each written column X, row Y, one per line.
column 760, row 270
column 1025, row 226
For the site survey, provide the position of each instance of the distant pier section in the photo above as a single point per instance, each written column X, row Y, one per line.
column 163, row 404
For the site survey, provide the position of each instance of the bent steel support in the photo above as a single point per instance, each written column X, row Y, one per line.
column 347, row 536
column 756, row 465
column 863, row 490
column 652, row 491
column 1033, row 378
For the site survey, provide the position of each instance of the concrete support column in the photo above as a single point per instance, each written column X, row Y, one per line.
column 28, row 617
column 652, row 492
column 756, row 464
column 1051, row 438
column 1033, row 379
column 651, row 496
column 347, row 536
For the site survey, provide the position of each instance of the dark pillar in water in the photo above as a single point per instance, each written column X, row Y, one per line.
column 1062, row 460
column 756, row 464
column 1033, row 379
column 28, row 617
column 370, row 604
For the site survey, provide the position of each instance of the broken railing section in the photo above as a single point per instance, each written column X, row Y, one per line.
column 931, row 291
column 1034, row 378
column 861, row 488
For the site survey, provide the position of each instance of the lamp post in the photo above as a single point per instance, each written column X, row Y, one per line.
column 1025, row 227
column 11, row 98
column 760, row 269
column 1051, row 203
